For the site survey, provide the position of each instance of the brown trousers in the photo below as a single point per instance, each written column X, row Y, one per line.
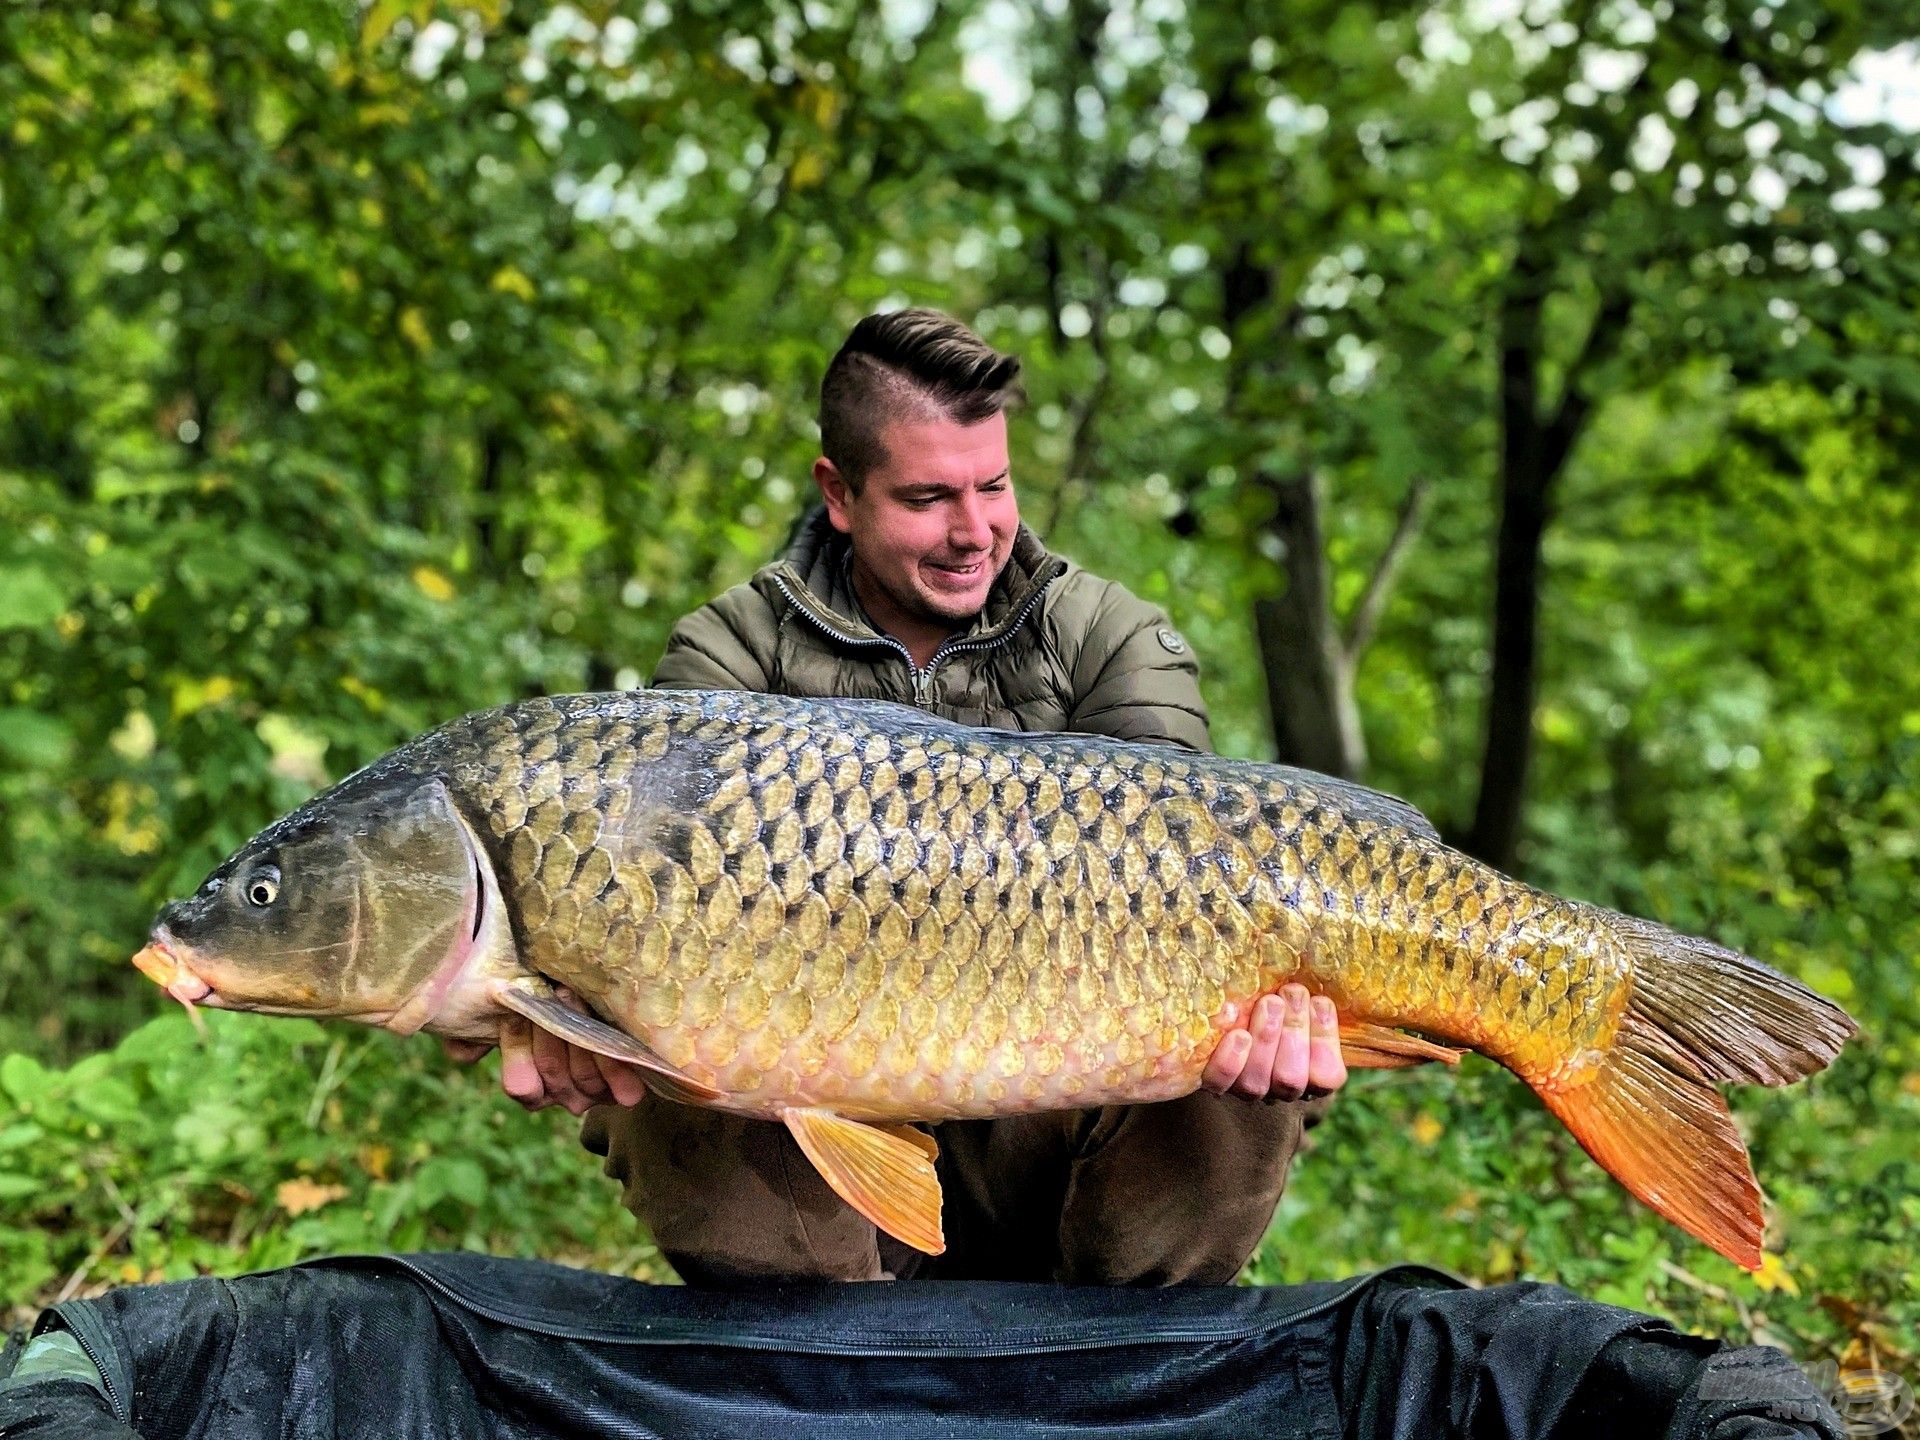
column 1174, row 1193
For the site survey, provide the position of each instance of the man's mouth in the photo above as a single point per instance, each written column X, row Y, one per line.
column 958, row 570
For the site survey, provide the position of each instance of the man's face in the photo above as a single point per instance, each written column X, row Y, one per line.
column 932, row 528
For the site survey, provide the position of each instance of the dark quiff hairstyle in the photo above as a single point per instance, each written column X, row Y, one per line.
column 900, row 365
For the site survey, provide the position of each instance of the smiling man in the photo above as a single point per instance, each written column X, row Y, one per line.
column 916, row 582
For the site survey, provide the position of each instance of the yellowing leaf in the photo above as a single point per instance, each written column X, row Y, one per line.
column 382, row 15
column 432, row 583
column 297, row 1197
column 510, row 281
column 131, row 826
column 366, row 694
column 376, row 1160
column 809, row 169
column 819, row 103
column 190, row 695
column 1426, row 1129
column 413, row 325
column 1773, row 1274
column 135, row 738
column 298, row 754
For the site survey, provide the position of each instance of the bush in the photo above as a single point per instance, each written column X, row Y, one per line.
column 264, row 1143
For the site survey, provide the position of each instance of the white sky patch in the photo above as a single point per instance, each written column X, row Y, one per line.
column 1884, row 89
column 1652, row 144
column 992, row 66
column 1633, row 24
column 1610, row 71
column 430, row 48
column 1489, row 14
column 1761, row 138
column 617, row 41
column 1869, row 166
column 550, row 120
column 1768, row 187
column 904, row 19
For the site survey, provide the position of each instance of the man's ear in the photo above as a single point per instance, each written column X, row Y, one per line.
column 834, row 490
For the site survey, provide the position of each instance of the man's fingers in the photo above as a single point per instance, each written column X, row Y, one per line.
column 1326, row 1067
column 1288, row 1078
column 622, row 1080
column 585, row 1069
column 1268, row 1012
column 1228, row 1058
column 465, row 1051
column 551, row 1056
column 519, row 1076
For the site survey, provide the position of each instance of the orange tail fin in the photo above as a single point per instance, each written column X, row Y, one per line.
column 1698, row 1013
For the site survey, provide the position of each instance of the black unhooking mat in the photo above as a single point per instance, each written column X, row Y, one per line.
column 465, row 1345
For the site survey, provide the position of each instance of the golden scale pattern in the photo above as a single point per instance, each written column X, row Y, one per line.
column 857, row 907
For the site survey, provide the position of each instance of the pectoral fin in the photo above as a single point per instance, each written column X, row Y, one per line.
column 883, row 1171
column 1365, row 1046
column 532, row 997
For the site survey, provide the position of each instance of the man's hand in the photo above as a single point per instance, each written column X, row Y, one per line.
column 539, row 1069
column 1289, row 1050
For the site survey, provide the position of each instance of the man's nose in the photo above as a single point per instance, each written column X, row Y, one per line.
column 969, row 528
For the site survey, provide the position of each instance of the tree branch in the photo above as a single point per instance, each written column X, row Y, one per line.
column 1406, row 528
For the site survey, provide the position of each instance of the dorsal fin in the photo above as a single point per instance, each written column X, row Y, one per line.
column 1361, row 802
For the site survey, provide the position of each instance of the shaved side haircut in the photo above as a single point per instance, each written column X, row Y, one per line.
column 901, row 365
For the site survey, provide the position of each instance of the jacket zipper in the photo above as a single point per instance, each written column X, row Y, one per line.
column 81, row 1323
column 922, row 678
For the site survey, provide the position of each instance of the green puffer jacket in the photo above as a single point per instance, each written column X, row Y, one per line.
column 1055, row 648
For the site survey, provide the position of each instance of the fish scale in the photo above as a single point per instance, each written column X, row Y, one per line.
column 797, row 809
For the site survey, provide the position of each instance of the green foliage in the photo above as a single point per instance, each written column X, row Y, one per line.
column 367, row 364
column 261, row 1144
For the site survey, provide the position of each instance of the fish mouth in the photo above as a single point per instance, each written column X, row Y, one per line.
column 160, row 963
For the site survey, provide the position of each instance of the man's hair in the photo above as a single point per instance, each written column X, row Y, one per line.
column 900, row 366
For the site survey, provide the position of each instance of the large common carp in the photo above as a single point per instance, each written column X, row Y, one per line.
column 847, row 915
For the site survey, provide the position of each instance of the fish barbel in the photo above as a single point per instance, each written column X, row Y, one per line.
column 849, row 915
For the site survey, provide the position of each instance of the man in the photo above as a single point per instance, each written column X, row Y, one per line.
column 916, row 582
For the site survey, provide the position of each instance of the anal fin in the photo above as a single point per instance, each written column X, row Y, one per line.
column 1366, row 1046
column 534, row 998
column 882, row 1171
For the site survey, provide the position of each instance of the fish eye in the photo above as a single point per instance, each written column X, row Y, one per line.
column 263, row 888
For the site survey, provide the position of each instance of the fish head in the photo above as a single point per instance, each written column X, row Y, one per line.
column 364, row 904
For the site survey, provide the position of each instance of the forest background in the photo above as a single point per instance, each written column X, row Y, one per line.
column 1513, row 400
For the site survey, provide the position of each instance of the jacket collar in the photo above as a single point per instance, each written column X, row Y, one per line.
column 817, row 575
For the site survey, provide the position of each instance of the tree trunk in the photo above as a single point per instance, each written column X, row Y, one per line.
column 1534, row 450
column 1309, row 673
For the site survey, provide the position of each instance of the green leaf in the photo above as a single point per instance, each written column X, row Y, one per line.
column 33, row 741
column 24, row 1078
column 29, row 597
column 454, row 1178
